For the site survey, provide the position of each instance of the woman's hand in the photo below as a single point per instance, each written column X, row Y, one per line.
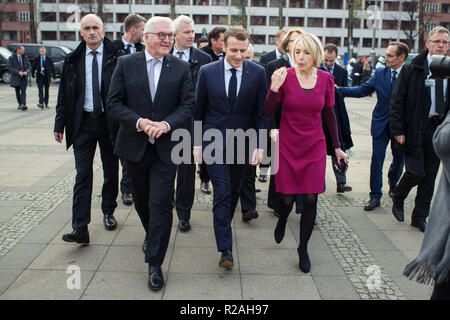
column 278, row 78
column 341, row 155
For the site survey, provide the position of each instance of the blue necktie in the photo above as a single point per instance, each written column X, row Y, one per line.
column 394, row 77
column 232, row 88
column 128, row 48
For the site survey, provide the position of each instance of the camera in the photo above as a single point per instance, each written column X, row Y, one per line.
column 440, row 67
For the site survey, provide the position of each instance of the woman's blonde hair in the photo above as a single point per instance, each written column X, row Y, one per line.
column 366, row 66
column 285, row 40
column 312, row 44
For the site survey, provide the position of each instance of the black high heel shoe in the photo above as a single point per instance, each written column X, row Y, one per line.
column 280, row 230
column 304, row 262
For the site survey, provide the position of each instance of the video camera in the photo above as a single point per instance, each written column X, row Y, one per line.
column 440, row 67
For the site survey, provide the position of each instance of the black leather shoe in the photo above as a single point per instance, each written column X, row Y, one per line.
column 184, row 225
column 391, row 192
column 397, row 210
column 24, row 107
column 251, row 214
column 262, row 178
column 421, row 224
column 280, row 230
column 109, row 222
column 304, row 262
column 127, row 199
column 204, row 187
column 373, row 203
column 46, row 105
column 40, row 105
column 80, row 235
column 342, row 187
column 226, row 260
column 155, row 278
column 19, row 107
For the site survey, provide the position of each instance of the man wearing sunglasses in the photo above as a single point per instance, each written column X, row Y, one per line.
column 418, row 105
column 382, row 81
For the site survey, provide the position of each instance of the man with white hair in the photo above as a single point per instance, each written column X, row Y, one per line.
column 82, row 112
column 184, row 49
column 156, row 100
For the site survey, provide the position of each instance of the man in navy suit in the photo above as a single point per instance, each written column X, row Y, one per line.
column 340, row 79
column 230, row 94
column 382, row 81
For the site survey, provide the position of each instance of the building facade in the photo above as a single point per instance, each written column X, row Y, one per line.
column 328, row 19
column 15, row 21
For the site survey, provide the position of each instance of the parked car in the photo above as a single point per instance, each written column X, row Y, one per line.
column 57, row 53
column 5, row 75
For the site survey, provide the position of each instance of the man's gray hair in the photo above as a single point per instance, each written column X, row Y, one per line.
column 90, row 15
column 184, row 19
column 438, row 29
column 157, row 19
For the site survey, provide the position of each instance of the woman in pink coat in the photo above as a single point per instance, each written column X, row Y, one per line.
column 304, row 92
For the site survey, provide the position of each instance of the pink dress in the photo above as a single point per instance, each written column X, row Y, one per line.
column 302, row 149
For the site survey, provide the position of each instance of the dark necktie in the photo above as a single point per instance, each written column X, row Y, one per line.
column 42, row 65
column 20, row 63
column 394, row 77
column 439, row 96
column 180, row 54
column 128, row 48
column 232, row 88
column 95, row 86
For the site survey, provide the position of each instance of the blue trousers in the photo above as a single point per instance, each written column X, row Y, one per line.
column 379, row 145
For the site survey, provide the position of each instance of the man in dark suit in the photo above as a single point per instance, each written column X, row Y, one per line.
column 131, row 43
column 418, row 105
column 150, row 104
column 278, row 52
column 340, row 79
column 382, row 81
column 184, row 49
column 44, row 70
column 19, row 66
column 230, row 94
column 82, row 112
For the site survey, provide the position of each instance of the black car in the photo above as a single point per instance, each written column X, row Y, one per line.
column 57, row 53
column 5, row 75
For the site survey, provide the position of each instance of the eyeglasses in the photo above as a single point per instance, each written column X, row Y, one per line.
column 162, row 35
column 444, row 43
column 391, row 55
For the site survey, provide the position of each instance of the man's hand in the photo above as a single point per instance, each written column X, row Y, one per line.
column 155, row 129
column 400, row 139
column 198, row 155
column 257, row 157
column 341, row 155
column 273, row 134
column 58, row 136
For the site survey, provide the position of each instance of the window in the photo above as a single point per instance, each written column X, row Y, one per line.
column 315, row 22
column 23, row 1
column 430, row 25
column 259, row 3
column 258, row 20
column 431, row 7
column 120, row 17
column 143, row 1
column 296, row 3
column 201, row 2
column 334, row 40
column 67, row 36
column 296, row 22
column 9, row 16
column 445, row 8
column 10, row 35
column 385, row 43
column 355, row 42
column 24, row 16
column 315, row 4
column 390, row 25
column 201, row 19
column 238, row 20
column 219, row 3
column 48, row 35
column 109, row 35
column 275, row 21
column 335, row 4
column 391, row 6
column 334, row 23
column 182, row 2
column 356, row 23
column 367, row 43
column 48, row 16
column 276, row 3
column 258, row 39
column 63, row 16
column 216, row 19
column 411, row 25
column 117, row 1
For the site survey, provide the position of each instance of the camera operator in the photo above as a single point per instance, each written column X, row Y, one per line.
column 418, row 105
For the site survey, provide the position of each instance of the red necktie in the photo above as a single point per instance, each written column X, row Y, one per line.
column 20, row 63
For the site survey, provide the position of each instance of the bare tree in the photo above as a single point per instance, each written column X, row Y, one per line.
column 281, row 3
column 4, row 4
column 353, row 5
column 172, row 9
column 242, row 6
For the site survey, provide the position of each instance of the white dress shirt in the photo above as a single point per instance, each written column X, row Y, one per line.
column 186, row 53
column 228, row 75
column 278, row 54
column 432, row 90
column 132, row 48
column 291, row 62
column 88, row 92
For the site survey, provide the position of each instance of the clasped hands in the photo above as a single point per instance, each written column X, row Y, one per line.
column 256, row 157
column 153, row 129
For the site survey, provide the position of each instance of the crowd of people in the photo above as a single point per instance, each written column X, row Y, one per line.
column 130, row 97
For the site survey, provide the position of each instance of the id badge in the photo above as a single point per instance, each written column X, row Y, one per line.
column 429, row 82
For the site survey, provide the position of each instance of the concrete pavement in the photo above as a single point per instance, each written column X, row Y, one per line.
column 347, row 249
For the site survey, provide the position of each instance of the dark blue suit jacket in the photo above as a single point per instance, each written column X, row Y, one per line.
column 380, row 82
column 213, row 108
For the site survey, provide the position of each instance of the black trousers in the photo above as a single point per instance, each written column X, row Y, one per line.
column 204, row 175
column 21, row 94
column 93, row 131
column 441, row 291
column 248, row 194
column 421, row 170
column 124, row 181
column 43, row 85
column 185, row 190
column 152, row 186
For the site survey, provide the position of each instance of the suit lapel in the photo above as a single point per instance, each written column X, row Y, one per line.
column 165, row 69
column 142, row 68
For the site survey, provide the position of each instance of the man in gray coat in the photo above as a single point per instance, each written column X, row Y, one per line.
column 19, row 66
